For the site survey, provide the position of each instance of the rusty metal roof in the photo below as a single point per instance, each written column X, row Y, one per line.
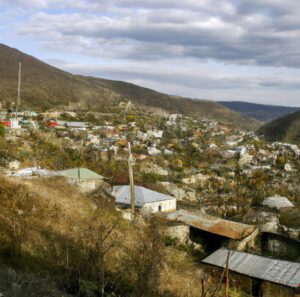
column 272, row 270
column 212, row 224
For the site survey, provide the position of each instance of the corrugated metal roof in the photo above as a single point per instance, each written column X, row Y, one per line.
column 276, row 271
column 84, row 174
column 142, row 195
column 212, row 224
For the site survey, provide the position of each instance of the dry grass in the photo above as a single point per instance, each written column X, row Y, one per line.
column 51, row 215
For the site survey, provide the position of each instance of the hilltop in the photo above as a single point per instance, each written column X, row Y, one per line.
column 286, row 128
column 261, row 112
column 45, row 87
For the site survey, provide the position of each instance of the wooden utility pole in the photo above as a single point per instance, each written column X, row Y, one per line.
column 227, row 275
column 130, row 163
column 19, row 91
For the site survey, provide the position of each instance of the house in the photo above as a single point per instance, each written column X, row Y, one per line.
column 80, row 126
column 11, row 123
column 266, row 277
column 153, row 151
column 147, row 201
column 86, row 179
column 52, row 124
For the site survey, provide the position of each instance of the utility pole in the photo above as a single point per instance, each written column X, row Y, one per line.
column 227, row 274
column 130, row 163
column 19, row 91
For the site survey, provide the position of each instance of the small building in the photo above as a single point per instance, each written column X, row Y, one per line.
column 79, row 126
column 5, row 123
column 153, row 151
column 11, row 123
column 147, row 201
column 212, row 232
column 86, row 179
column 52, row 124
column 264, row 276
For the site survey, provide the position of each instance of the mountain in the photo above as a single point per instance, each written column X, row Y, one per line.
column 260, row 112
column 286, row 128
column 44, row 87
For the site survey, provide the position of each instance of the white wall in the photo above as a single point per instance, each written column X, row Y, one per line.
column 166, row 206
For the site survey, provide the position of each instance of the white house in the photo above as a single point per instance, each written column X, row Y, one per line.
column 146, row 200
column 153, row 151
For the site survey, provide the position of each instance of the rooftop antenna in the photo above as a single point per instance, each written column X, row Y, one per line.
column 130, row 163
column 19, row 91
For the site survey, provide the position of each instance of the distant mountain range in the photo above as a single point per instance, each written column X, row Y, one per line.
column 286, row 128
column 260, row 112
column 44, row 87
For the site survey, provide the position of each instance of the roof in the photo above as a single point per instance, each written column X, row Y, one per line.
column 73, row 124
column 84, row 174
column 276, row 271
column 277, row 202
column 212, row 224
column 142, row 195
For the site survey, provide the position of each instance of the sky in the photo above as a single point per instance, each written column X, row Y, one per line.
column 246, row 50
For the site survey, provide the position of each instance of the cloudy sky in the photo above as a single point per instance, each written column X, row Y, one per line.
column 245, row 50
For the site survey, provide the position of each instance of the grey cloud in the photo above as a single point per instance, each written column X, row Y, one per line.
column 138, row 32
column 249, row 39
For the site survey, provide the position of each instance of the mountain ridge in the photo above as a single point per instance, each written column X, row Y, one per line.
column 261, row 112
column 286, row 128
column 45, row 86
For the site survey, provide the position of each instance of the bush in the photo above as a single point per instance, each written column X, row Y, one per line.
column 2, row 130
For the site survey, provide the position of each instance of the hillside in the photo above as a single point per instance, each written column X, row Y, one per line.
column 44, row 86
column 261, row 112
column 50, row 236
column 286, row 128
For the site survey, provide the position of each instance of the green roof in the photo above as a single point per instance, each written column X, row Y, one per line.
column 84, row 174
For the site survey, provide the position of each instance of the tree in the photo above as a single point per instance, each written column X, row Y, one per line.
column 88, row 272
column 144, row 263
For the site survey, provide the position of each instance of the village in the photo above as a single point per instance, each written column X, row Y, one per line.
column 219, row 188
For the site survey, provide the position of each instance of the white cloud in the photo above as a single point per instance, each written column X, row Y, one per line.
column 175, row 42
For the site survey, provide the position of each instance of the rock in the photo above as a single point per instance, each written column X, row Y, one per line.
column 245, row 160
column 153, row 169
column 14, row 165
column 271, row 227
column 191, row 195
column 294, row 234
column 179, row 232
column 174, row 190
column 288, row 167
column 198, row 178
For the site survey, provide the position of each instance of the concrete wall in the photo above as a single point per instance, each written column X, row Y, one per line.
column 247, row 242
column 179, row 232
column 88, row 185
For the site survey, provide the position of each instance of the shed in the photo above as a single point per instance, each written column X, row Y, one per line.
column 214, row 232
column 146, row 200
column 283, row 273
column 86, row 179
